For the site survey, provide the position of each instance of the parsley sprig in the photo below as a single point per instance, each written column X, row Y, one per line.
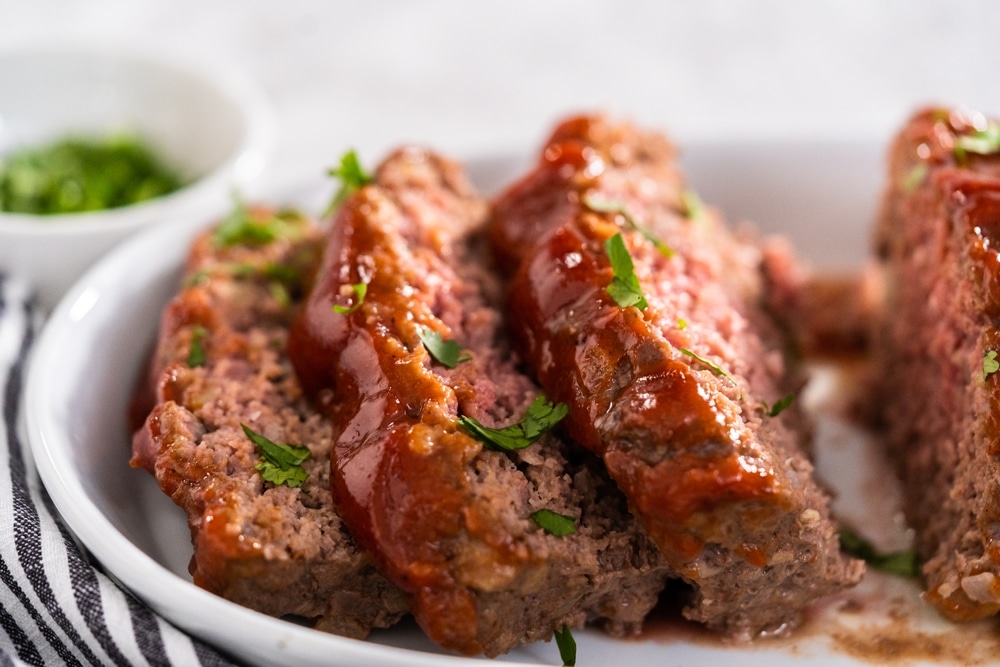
column 245, row 227
column 196, row 352
column 279, row 463
column 540, row 417
column 446, row 352
column 567, row 646
column 620, row 208
column 352, row 178
column 624, row 288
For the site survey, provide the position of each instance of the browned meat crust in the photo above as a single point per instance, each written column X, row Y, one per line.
column 671, row 397
column 276, row 549
column 447, row 520
column 937, row 245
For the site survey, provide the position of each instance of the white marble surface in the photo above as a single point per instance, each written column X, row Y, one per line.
column 481, row 77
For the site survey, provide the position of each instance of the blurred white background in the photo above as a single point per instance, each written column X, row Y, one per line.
column 473, row 78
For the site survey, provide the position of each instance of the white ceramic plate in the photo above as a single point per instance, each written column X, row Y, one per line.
column 93, row 346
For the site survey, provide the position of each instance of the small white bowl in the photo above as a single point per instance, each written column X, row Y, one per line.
column 212, row 124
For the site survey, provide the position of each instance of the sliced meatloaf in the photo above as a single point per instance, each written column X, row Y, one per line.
column 460, row 526
column 937, row 389
column 219, row 365
column 672, row 369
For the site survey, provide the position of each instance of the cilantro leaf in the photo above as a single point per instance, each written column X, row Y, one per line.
column 567, row 646
column 990, row 363
column 196, row 353
column 447, row 352
column 554, row 523
column 280, row 463
column 779, row 406
column 624, row 288
column 360, row 290
column 711, row 366
column 352, row 177
column 540, row 417
column 620, row 208
column 903, row 563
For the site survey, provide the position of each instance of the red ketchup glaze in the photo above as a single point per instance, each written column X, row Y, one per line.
column 663, row 438
column 399, row 457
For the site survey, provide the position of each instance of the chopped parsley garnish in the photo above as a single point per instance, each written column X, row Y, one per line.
column 985, row 141
column 78, row 174
column 243, row 227
column 682, row 323
column 359, row 289
column 352, row 177
column 540, row 417
column 554, row 523
column 624, row 287
column 915, row 177
column 903, row 563
column 279, row 463
column 779, row 406
column 693, row 208
column 447, row 352
column 567, row 646
column 990, row 363
column 196, row 353
column 619, row 208
column 712, row 367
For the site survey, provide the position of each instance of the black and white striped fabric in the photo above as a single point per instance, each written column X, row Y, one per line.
column 56, row 608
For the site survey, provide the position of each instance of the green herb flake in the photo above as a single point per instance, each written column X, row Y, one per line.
column 279, row 463
column 692, row 207
column 624, row 287
column 711, row 366
column 360, row 290
column 682, row 323
column 540, row 417
column 915, row 177
column 990, row 363
column 779, row 406
column 620, row 208
column 243, row 227
column 554, row 523
column 567, row 646
column 196, row 353
column 446, row 352
column 902, row 563
column 985, row 141
column 352, row 177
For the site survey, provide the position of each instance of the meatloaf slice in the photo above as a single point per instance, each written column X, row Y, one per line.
column 219, row 365
column 677, row 395
column 937, row 392
column 454, row 524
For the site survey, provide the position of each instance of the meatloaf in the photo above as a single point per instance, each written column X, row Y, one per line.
column 219, row 366
column 459, row 525
column 937, row 392
column 631, row 303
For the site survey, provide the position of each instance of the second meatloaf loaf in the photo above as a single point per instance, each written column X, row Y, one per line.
column 936, row 349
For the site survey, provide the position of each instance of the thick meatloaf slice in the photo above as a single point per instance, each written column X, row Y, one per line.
column 937, row 392
column 451, row 522
column 220, row 364
column 675, row 396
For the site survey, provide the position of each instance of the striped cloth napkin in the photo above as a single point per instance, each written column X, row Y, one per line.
column 56, row 606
